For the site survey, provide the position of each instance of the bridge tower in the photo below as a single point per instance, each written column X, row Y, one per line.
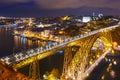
column 34, row 71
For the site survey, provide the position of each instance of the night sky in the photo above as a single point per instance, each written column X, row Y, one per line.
column 38, row 8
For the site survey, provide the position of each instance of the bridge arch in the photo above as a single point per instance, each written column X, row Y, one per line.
column 75, row 66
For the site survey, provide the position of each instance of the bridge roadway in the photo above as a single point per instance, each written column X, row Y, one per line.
column 41, row 51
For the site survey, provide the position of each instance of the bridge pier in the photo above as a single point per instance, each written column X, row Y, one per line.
column 34, row 69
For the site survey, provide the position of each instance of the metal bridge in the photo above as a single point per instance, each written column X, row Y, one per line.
column 75, row 65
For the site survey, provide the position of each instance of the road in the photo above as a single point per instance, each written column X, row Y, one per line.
column 108, row 69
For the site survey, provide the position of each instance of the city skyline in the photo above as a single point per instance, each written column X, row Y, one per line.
column 37, row 8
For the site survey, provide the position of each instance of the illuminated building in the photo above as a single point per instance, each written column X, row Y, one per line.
column 86, row 19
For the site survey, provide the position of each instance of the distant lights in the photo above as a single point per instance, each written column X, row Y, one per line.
column 91, row 62
column 109, row 60
column 98, row 56
column 115, row 63
column 103, row 77
column 73, row 78
column 66, row 77
column 87, row 74
column 69, row 74
column 45, row 77
column 110, row 64
column 112, row 73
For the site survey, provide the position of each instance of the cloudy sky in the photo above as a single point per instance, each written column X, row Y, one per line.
column 37, row 8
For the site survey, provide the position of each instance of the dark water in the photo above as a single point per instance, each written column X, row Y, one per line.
column 10, row 44
column 6, row 42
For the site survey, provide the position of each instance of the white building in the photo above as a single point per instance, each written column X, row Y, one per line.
column 86, row 19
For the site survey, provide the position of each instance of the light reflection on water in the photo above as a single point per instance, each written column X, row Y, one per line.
column 24, row 43
column 6, row 41
column 10, row 43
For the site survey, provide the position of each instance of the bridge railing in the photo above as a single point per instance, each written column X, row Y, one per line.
column 32, row 52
